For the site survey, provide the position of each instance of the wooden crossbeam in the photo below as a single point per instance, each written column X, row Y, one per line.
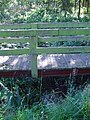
column 44, row 32
column 46, row 25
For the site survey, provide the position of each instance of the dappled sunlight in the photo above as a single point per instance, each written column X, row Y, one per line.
column 88, row 62
column 47, row 62
column 15, row 61
column 72, row 62
column 3, row 59
column 64, row 55
column 50, row 61
column 53, row 61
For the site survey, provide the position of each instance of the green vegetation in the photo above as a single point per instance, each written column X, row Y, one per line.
column 44, row 10
column 23, row 100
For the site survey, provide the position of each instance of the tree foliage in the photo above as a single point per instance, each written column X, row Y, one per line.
column 44, row 10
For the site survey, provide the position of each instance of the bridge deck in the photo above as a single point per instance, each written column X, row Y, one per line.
column 53, row 61
column 46, row 62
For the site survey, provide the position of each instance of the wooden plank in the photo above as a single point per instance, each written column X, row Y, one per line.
column 14, row 40
column 34, row 25
column 60, row 60
column 23, row 63
column 45, row 62
column 27, row 33
column 15, row 26
column 51, row 61
column 83, row 59
column 87, row 60
column 48, row 32
column 15, row 62
column 44, row 32
column 42, row 61
column 64, row 25
column 11, row 62
column 14, row 52
column 17, row 33
column 34, row 70
column 77, row 60
column 74, row 32
column 63, row 32
column 15, row 73
column 67, row 29
column 46, row 25
column 64, row 38
column 27, row 62
column 67, row 58
column 63, row 50
column 63, row 72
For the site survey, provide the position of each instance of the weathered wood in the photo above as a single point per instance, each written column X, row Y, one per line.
column 63, row 50
column 64, row 25
column 64, row 38
column 17, row 33
column 74, row 32
column 47, row 32
column 46, row 25
column 34, row 69
column 44, row 32
column 14, row 40
column 53, row 61
column 7, row 52
column 15, row 26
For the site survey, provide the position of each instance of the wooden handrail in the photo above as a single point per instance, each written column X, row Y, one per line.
column 44, row 32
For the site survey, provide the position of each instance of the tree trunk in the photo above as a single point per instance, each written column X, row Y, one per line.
column 75, row 4
column 79, row 9
column 87, row 6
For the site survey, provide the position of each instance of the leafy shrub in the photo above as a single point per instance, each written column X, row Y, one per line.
column 36, row 16
column 41, row 15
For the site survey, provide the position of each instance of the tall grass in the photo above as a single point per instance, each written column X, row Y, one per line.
column 74, row 106
column 70, row 108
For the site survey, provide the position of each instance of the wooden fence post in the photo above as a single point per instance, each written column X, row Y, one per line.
column 34, row 69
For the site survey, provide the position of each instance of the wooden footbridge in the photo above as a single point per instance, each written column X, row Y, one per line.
column 44, row 49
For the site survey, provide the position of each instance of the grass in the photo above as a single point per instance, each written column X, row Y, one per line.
column 70, row 107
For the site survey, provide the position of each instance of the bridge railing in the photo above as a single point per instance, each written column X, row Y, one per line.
column 46, row 33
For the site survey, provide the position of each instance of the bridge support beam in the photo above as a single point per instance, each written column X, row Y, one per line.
column 34, row 70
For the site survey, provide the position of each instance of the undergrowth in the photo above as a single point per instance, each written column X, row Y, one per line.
column 25, row 99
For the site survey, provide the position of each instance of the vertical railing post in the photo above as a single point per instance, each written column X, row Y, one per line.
column 34, row 69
